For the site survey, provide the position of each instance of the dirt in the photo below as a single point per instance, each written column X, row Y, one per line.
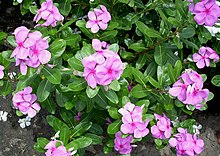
column 16, row 141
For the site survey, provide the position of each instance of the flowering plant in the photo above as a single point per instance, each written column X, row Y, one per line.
column 113, row 73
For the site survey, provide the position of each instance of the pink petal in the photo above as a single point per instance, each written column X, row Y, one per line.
column 196, row 57
column 23, row 68
column 31, row 112
column 21, row 36
column 91, row 15
column 102, row 25
column 96, row 44
column 44, row 56
column 200, row 64
column 89, row 24
column 175, row 91
column 95, row 28
column 36, row 106
column 210, row 20
column 200, row 18
column 126, row 128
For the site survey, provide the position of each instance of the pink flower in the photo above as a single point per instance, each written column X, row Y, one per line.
column 186, row 143
column 90, row 70
column 1, row 71
column 202, row 58
column 206, row 12
column 123, row 145
column 110, row 70
column 141, row 129
column 98, row 19
column 25, row 102
column 163, row 128
column 52, row 150
column 50, row 13
column 78, row 116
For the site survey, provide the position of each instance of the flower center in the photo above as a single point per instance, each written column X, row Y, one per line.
column 203, row 57
column 207, row 11
column 35, row 51
column 132, row 124
column 92, row 71
column 110, row 71
column 96, row 21
column 20, row 44
column 100, row 51
column 184, row 86
column 121, row 146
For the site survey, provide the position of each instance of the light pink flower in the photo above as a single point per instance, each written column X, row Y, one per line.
column 98, row 19
column 202, row 58
column 1, row 71
column 123, row 145
column 50, row 13
column 52, row 150
column 89, row 64
column 163, row 128
column 110, row 70
column 206, row 12
column 25, row 102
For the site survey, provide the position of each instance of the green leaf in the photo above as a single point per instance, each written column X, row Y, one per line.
column 65, row 7
column 75, row 63
column 57, row 48
column 25, row 81
column 73, row 40
column 142, row 59
column 178, row 68
column 92, row 92
column 42, row 142
column 81, row 128
column 43, row 90
column 101, row 100
column 108, row 35
column 114, row 127
column 113, row 112
column 81, row 142
column 154, row 82
column 65, row 134
column 86, row 50
column 151, row 69
column 52, row 74
column 78, row 84
column 3, row 35
column 139, row 92
column 49, row 104
column 171, row 73
column 82, row 26
column 187, row 32
column 160, row 55
column 6, row 55
column 139, row 76
column 6, row 88
column 96, row 140
column 111, row 96
column 56, row 123
column 216, row 80
column 115, row 85
column 147, row 31
column 114, row 47
column 138, row 47
column 11, row 41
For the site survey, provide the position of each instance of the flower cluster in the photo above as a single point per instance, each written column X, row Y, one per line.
column 188, row 89
column 206, row 12
column 1, row 71
column 24, row 101
column 25, row 122
column 203, row 57
column 31, row 49
column 132, row 121
column 53, row 150
column 102, row 67
column 123, row 145
column 48, row 12
column 186, row 143
column 98, row 19
column 162, row 129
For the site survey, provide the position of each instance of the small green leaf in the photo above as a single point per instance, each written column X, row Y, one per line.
column 113, row 112
column 92, row 92
column 65, row 134
column 142, row 59
column 3, row 35
column 57, row 48
column 53, row 75
column 216, row 80
column 111, row 96
column 75, row 63
column 108, row 35
column 187, row 32
column 115, row 85
column 139, row 92
column 81, row 128
column 81, row 142
column 114, row 127
column 78, row 84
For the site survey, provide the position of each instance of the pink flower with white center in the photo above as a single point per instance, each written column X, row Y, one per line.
column 163, row 127
column 110, row 70
column 98, row 19
column 50, row 13
column 1, row 71
column 52, row 150
column 25, row 102
column 206, row 12
column 122, row 145
column 202, row 58
column 89, row 64
column 179, row 90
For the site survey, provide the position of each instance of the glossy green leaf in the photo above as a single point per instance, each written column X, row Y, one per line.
column 52, row 74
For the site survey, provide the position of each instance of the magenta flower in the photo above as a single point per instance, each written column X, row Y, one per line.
column 141, row 129
column 25, row 102
column 48, row 12
column 163, row 127
column 202, row 58
column 109, row 71
column 78, row 116
column 89, row 64
column 52, row 150
column 123, row 145
column 186, row 143
column 98, row 19
column 206, row 12
column 1, row 71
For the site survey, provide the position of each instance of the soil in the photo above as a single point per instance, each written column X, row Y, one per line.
column 16, row 141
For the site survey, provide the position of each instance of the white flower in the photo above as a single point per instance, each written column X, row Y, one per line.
column 196, row 129
column 25, row 122
column 3, row 116
column 19, row 1
column 12, row 75
column 56, row 135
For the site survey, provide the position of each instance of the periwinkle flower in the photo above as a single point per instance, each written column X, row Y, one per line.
column 53, row 150
column 203, row 57
column 48, row 12
column 1, row 71
column 25, row 102
column 98, row 19
column 206, row 12
column 122, row 145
